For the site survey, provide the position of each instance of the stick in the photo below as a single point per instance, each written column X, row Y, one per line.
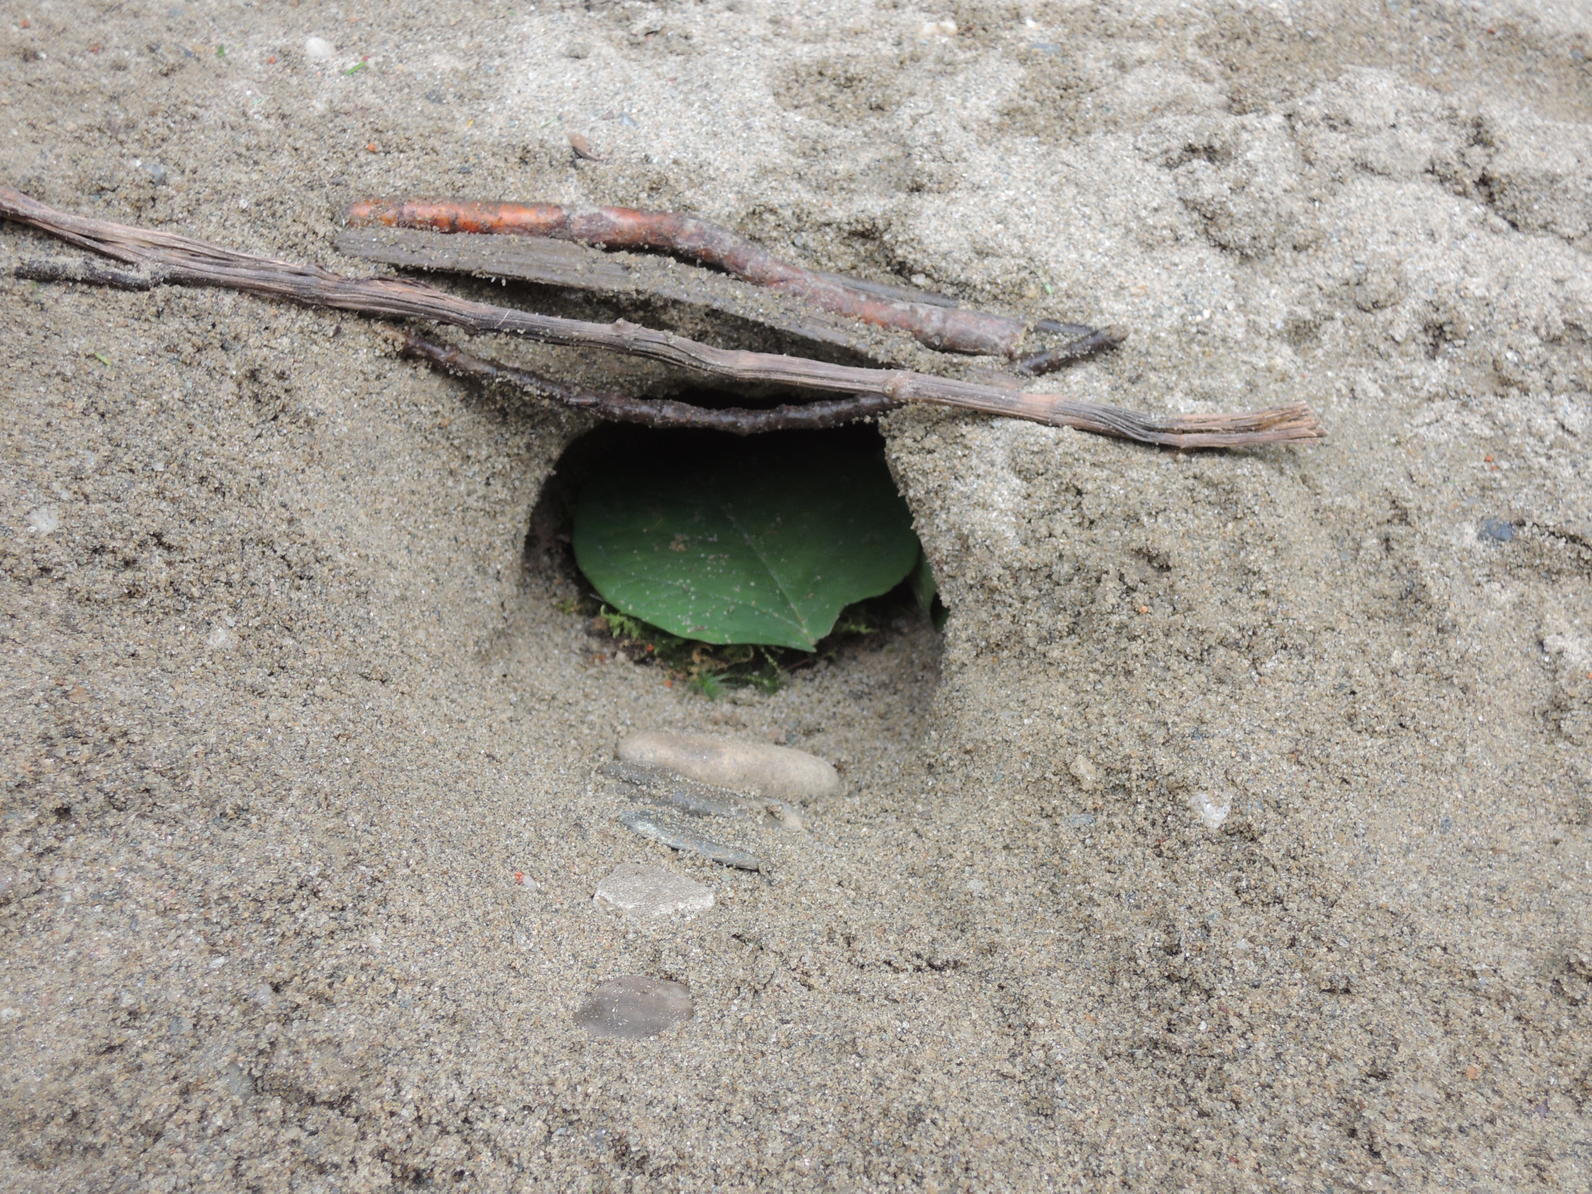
column 644, row 279
column 185, row 261
column 934, row 320
column 575, row 266
column 648, row 412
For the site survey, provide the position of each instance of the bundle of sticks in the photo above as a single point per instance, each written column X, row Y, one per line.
column 570, row 248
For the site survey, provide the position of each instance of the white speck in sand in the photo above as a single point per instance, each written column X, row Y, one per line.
column 44, row 520
column 1212, row 809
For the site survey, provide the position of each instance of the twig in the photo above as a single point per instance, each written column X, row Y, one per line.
column 89, row 273
column 636, row 279
column 648, row 412
column 1088, row 342
column 575, row 266
column 934, row 320
column 183, row 260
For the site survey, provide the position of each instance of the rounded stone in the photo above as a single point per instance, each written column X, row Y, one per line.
column 633, row 1007
column 777, row 772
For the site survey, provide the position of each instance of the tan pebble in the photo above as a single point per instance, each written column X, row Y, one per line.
column 1084, row 772
column 582, row 148
column 775, row 772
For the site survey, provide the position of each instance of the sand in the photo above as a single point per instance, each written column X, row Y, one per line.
column 1234, row 834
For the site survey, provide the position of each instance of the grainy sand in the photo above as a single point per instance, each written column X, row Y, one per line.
column 287, row 699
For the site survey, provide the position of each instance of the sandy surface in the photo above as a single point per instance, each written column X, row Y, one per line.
column 1233, row 837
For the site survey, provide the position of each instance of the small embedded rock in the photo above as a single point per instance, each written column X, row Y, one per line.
column 1497, row 530
column 666, row 831
column 776, row 772
column 652, row 891
column 1084, row 772
column 1211, row 808
column 633, row 1007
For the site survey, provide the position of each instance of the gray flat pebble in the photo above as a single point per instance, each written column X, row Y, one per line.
column 1496, row 529
column 633, row 1007
column 664, row 787
column 652, row 891
column 778, row 772
column 688, row 841
column 670, row 787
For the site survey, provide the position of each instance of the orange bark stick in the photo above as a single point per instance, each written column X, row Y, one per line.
column 932, row 319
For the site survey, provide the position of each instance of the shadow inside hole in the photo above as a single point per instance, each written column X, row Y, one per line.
column 824, row 464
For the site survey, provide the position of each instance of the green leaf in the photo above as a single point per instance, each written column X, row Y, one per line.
column 761, row 541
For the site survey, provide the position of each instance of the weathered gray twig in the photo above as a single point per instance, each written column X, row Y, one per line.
column 176, row 259
column 648, row 412
column 628, row 278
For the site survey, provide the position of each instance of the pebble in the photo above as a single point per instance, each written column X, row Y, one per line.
column 652, row 891
column 317, row 47
column 662, row 786
column 1212, row 809
column 667, row 787
column 776, row 772
column 678, row 838
column 633, row 1007
column 1495, row 529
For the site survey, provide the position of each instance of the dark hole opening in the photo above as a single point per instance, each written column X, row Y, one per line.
column 723, row 558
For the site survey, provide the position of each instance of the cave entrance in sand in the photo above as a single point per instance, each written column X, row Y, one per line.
column 731, row 561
